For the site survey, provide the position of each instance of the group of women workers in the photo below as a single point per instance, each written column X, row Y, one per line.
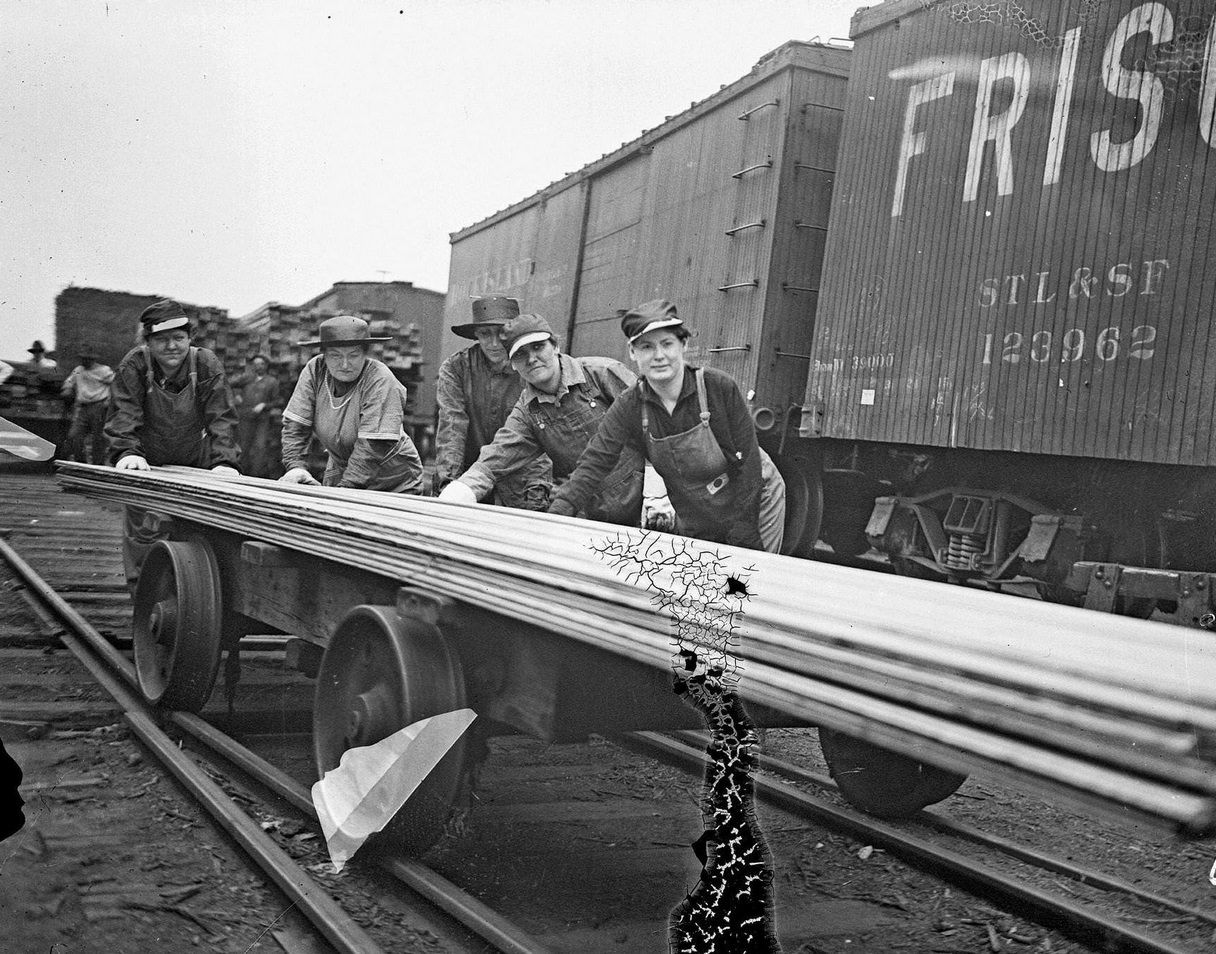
column 596, row 420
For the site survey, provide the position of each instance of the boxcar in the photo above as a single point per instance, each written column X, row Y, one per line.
column 1012, row 350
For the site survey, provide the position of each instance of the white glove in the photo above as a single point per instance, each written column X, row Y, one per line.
column 132, row 462
column 456, row 492
column 298, row 475
column 225, row 471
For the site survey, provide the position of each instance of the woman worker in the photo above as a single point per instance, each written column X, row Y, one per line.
column 560, row 408
column 169, row 404
column 693, row 425
column 355, row 407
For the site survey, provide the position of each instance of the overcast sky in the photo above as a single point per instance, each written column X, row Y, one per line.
column 229, row 153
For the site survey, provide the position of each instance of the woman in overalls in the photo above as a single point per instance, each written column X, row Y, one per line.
column 169, row 404
column 355, row 408
column 694, row 427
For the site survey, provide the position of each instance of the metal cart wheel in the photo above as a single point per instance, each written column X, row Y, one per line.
column 883, row 782
column 380, row 673
column 178, row 624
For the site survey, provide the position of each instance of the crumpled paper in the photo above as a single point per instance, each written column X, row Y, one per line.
column 372, row 782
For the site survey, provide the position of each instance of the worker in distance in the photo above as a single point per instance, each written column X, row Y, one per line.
column 169, row 404
column 559, row 410
column 355, row 407
column 476, row 390
column 693, row 426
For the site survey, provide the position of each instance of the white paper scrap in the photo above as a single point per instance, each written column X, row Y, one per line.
column 372, row 782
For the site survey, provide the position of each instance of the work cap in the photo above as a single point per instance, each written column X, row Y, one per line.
column 36, row 348
column 488, row 312
column 87, row 353
column 525, row 330
column 164, row 315
column 649, row 316
column 342, row 331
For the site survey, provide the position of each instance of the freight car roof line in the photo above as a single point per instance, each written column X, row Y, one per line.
column 821, row 57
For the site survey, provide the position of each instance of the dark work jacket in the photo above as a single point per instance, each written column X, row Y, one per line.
column 128, row 393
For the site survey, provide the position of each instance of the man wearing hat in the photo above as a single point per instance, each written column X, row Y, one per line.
column 39, row 359
column 169, row 404
column 355, row 407
column 88, row 387
column 561, row 406
column 477, row 389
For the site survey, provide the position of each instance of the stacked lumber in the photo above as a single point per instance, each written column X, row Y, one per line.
column 279, row 331
column 1114, row 714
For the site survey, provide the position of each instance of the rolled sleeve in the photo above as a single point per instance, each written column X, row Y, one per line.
column 451, row 438
column 514, row 446
column 125, row 419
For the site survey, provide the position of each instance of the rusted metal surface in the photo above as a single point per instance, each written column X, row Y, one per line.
column 721, row 209
column 1021, row 233
column 1055, row 699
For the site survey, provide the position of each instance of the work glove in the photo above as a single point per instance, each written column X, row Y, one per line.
column 298, row 475
column 132, row 462
column 456, row 492
column 225, row 471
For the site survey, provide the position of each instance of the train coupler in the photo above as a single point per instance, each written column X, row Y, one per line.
column 1185, row 597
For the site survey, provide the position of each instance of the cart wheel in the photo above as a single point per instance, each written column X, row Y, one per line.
column 883, row 782
column 177, row 624
column 380, row 673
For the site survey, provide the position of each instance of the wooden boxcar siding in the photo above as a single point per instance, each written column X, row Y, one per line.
column 658, row 226
column 799, row 237
column 904, row 320
column 653, row 221
column 531, row 254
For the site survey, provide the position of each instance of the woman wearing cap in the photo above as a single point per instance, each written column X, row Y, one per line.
column 355, row 408
column 169, row 402
column 694, row 427
column 561, row 406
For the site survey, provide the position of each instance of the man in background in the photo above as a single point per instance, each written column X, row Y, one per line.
column 88, row 387
column 257, row 400
column 476, row 391
column 39, row 357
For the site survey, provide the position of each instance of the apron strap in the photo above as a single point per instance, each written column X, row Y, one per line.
column 701, row 396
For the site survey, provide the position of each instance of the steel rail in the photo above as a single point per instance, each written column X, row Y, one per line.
column 427, row 543
column 334, row 924
column 1046, row 909
column 479, row 918
column 1040, row 859
column 117, row 676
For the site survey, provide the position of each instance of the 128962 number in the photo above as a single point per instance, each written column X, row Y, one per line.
column 1043, row 347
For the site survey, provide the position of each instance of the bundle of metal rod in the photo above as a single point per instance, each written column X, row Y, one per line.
column 1105, row 710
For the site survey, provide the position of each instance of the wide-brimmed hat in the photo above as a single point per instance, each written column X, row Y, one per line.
column 525, row 330
column 36, row 348
column 488, row 312
column 342, row 331
column 650, row 316
column 163, row 315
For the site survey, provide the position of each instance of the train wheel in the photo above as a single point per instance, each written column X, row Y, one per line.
column 883, row 782
column 380, row 673
column 803, row 505
column 178, row 624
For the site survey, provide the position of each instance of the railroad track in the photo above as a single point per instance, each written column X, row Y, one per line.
column 616, row 820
